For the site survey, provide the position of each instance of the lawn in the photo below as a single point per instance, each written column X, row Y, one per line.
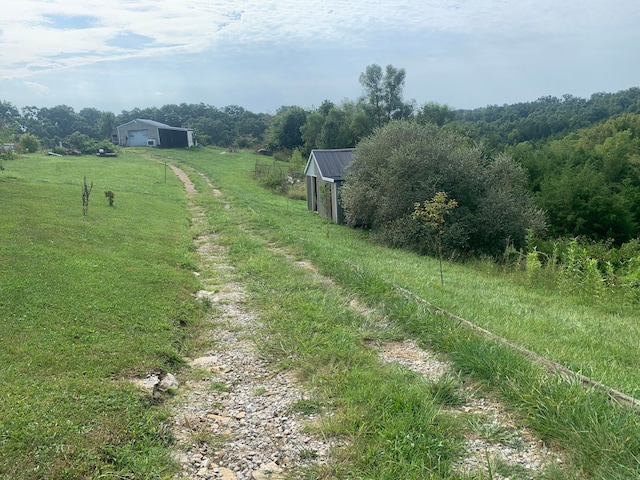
column 87, row 303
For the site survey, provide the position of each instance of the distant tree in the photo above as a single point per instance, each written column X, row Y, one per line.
column 310, row 131
column 435, row 113
column 106, row 125
column 404, row 162
column 29, row 143
column 383, row 93
column 371, row 81
column 285, row 131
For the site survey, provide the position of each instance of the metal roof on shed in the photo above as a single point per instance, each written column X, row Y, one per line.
column 155, row 124
column 331, row 163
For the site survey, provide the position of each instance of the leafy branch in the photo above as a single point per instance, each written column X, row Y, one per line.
column 431, row 213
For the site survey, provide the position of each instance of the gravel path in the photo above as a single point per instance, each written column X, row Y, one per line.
column 235, row 418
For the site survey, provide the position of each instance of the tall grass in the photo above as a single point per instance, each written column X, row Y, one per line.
column 595, row 338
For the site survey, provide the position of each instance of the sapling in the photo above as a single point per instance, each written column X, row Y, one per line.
column 86, row 191
column 432, row 213
column 110, row 196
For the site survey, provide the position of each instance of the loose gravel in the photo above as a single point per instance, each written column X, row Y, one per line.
column 235, row 417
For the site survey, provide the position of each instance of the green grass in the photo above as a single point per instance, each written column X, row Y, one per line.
column 85, row 303
column 312, row 329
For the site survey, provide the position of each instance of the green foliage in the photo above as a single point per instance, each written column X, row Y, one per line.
column 545, row 118
column 29, row 143
column 68, row 348
column 110, row 197
column 297, row 162
column 284, row 132
column 435, row 113
column 431, row 213
column 82, row 143
column 589, row 182
column 383, row 93
column 404, row 162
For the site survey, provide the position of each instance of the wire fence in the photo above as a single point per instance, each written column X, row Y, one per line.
column 277, row 177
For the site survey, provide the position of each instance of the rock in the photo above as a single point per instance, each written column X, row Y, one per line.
column 226, row 474
column 150, row 382
column 168, row 382
column 268, row 471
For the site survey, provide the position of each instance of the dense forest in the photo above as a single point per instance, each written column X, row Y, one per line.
column 582, row 156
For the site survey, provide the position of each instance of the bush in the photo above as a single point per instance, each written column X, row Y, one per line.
column 29, row 143
column 404, row 163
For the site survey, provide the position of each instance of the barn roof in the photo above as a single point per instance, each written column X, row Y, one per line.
column 155, row 124
column 331, row 163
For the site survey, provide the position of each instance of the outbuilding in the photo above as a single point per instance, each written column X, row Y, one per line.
column 149, row 133
column 324, row 174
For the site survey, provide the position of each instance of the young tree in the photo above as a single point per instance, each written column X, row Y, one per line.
column 431, row 213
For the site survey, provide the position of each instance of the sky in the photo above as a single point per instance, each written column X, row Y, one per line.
column 117, row 55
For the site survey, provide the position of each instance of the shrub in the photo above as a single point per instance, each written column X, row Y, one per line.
column 29, row 143
column 404, row 163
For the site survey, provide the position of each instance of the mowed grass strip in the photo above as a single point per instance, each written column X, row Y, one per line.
column 86, row 303
column 303, row 315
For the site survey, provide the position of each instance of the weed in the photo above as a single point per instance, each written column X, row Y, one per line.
column 446, row 390
column 220, row 386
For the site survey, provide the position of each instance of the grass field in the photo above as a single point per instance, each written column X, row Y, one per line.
column 88, row 302
column 596, row 338
column 85, row 303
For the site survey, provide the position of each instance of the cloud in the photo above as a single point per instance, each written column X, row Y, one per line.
column 42, row 29
column 37, row 88
column 287, row 50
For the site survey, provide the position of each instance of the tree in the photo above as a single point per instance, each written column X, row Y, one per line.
column 106, row 125
column 404, row 162
column 384, row 93
column 285, row 132
column 371, row 81
column 29, row 143
column 431, row 213
column 435, row 113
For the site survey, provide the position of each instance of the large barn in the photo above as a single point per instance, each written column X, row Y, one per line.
column 324, row 172
column 149, row 133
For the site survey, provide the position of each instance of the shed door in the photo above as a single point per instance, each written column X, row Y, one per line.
column 138, row 138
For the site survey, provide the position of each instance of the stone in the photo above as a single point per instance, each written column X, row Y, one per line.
column 168, row 382
column 226, row 474
column 268, row 471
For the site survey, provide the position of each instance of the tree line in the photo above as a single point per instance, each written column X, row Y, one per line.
column 579, row 158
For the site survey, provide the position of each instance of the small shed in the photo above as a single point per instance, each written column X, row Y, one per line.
column 149, row 133
column 324, row 174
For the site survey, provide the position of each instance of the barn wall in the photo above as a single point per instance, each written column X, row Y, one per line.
column 137, row 134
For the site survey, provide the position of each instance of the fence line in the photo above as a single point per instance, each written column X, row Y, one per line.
column 551, row 365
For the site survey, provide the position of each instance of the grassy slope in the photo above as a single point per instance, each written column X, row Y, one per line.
column 596, row 338
column 84, row 302
column 581, row 420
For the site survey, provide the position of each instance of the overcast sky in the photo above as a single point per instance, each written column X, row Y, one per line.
column 115, row 55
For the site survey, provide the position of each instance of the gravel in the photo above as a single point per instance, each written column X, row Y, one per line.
column 235, row 417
